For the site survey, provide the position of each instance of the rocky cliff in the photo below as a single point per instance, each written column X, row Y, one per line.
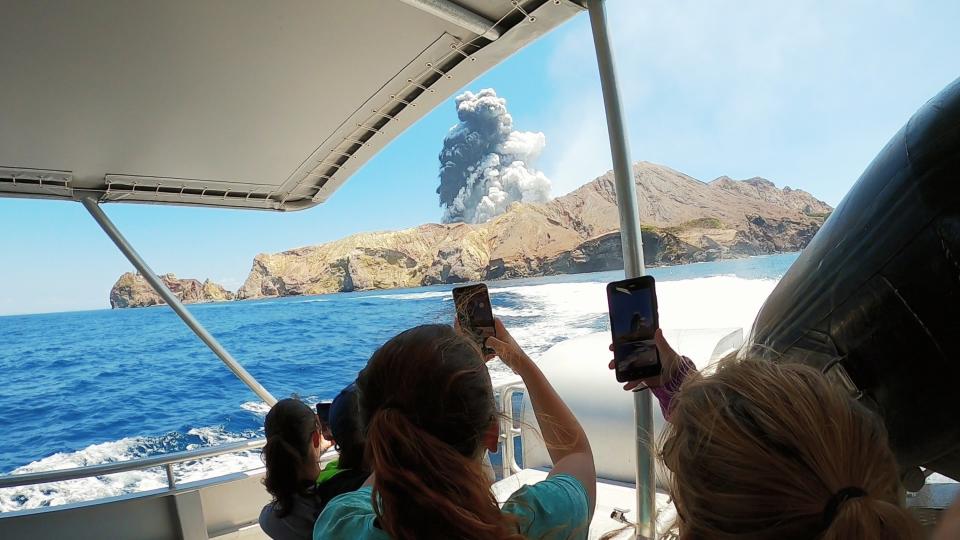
column 685, row 220
column 132, row 290
column 763, row 189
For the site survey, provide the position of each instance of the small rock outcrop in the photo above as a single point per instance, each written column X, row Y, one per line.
column 132, row 290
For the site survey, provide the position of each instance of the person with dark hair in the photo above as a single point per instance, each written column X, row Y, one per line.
column 347, row 472
column 295, row 442
column 428, row 406
column 292, row 459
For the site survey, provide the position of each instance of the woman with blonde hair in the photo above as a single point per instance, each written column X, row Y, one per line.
column 762, row 450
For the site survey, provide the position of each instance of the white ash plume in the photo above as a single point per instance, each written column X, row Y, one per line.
column 485, row 165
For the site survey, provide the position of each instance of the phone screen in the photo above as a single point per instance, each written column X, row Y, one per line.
column 323, row 411
column 633, row 322
column 475, row 313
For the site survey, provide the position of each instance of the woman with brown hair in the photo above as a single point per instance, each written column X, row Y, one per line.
column 761, row 450
column 300, row 489
column 428, row 405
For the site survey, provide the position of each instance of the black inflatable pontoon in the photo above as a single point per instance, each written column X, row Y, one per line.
column 874, row 300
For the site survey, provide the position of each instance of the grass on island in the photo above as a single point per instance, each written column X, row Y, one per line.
column 700, row 223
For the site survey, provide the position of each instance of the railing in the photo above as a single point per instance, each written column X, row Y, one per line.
column 166, row 460
column 508, row 429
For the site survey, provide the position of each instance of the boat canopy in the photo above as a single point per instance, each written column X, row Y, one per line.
column 264, row 105
column 233, row 103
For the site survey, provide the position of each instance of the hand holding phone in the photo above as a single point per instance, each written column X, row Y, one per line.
column 474, row 313
column 634, row 322
column 670, row 361
column 323, row 415
column 507, row 349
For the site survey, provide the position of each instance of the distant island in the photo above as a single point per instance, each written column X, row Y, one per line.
column 684, row 220
column 131, row 290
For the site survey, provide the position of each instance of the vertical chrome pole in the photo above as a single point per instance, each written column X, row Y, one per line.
column 632, row 255
column 171, row 479
column 171, row 299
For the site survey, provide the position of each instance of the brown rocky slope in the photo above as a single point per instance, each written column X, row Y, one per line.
column 685, row 220
column 132, row 290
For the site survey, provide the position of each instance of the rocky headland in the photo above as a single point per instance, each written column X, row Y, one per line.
column 684, row 220
column 132, row 290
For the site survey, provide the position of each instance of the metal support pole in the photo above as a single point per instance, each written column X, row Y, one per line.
column 108, row 227
column 171, row 479
column 632, row 255
column 458, row 15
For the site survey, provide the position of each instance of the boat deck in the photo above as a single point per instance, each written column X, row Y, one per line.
column 612, row 497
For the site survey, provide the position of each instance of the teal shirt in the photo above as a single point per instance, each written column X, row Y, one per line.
column 554, row 509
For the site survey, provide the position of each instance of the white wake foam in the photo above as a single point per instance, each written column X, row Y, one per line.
column 540, row 316
column 84, row 489
column 559, row 311
column 256, row 407
column 515, row 312
column 407, row 296
column 713, row 302
column 564, row 310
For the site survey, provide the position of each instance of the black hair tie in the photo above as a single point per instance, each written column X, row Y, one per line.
column 838, row 498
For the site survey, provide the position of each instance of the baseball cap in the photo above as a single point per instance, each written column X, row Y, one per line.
column 344, row 415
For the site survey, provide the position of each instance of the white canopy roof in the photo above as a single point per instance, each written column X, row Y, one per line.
column 232, row 103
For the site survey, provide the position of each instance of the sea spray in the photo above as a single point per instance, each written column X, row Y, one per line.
column 126, row 449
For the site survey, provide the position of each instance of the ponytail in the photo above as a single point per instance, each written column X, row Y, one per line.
column 427, row 403
column 282, row 480
column 425, row 488
column 289, row 427
column 766, row 450
column 867, row 517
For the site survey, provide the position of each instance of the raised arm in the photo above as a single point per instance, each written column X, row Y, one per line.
column 565, row 439
column 676, row 368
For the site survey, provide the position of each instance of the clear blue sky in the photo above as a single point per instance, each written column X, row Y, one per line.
column 802, row 93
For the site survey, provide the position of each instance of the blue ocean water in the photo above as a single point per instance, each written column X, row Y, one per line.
column 83, row 388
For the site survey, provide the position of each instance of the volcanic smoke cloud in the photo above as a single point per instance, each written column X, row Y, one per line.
column 485, row 164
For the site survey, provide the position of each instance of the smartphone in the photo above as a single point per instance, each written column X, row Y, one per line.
column 323, row 413
column 474, row 313
column 633, row 322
